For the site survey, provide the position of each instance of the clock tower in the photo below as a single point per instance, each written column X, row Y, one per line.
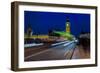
column 68, row 26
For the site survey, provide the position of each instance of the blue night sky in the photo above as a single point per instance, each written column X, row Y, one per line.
column 42, row 22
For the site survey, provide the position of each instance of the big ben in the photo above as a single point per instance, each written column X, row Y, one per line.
column 68, row 26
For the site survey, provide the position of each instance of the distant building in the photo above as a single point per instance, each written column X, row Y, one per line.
column 68, row 26
column 51, row 34
column 29, row 32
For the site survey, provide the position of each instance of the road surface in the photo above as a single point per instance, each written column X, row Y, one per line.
column 48, row 52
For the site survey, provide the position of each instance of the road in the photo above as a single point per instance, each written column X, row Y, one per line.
column 48, row 52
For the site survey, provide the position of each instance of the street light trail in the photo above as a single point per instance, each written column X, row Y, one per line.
column 53, row 53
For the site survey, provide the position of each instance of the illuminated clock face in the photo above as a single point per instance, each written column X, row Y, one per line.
column 67, row 25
